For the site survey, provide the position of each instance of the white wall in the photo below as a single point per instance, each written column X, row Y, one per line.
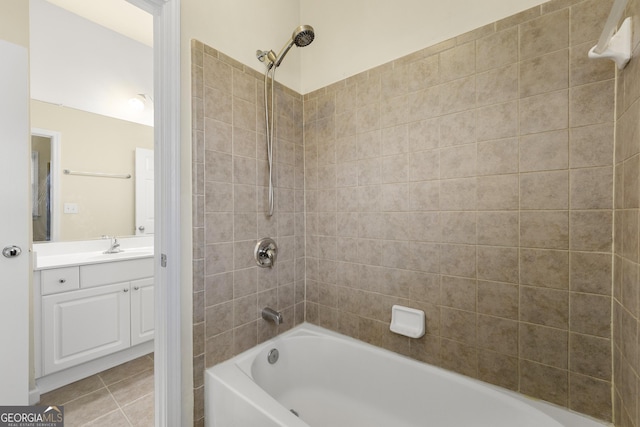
column 82, row 65
column 351, row 36
column 355, row 35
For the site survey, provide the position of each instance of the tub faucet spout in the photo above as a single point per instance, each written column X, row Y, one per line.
column 272, row 315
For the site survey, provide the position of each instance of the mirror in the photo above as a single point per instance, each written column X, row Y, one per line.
column 86, row 175
column 90, row 113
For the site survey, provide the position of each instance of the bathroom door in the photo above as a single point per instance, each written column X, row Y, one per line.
column 15, row 217
column 145, row 208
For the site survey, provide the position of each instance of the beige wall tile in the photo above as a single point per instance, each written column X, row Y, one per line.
column 458, row 260
column 458, row 129
column 458, row 325
column 458, row 292
column 497, row 50
column 498, row 228
column 499, row 335
column 424, row 73
column 459, row 357
column 497, row 192
column 587, row 18
column 545, row 268
column 544, row 151
column 424, row 165
column 544, row 229
column 458, row 95
column 590, row 314
column 592, row 103
column 498, row 157
column 497, row 121
column 498, row 85
column 498, row 369
column 544, row 345
column 591, row 146
column 544, row 190
column 591, row 272
column 544, row 73
column 544, row 382
column 458, row 194
column 591, row 230
column 546, row 112
column 631, row 182
column 458, row 62
column 497, row 264
column 458, row 227
column 547, row 307
column 591, row 188
column 424, row 135
column 458, row 162
column 545, row 34
column 583, row 70
column 590, row 396
column 498, row 299
column 590, row 356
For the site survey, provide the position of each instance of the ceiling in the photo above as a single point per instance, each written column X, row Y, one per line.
column 117, row 15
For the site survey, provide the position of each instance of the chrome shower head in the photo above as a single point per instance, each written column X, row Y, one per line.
column 301, row 37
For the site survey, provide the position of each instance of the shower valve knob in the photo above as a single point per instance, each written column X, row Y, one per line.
column 265, row 252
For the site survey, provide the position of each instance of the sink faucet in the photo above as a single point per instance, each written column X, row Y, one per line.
column 114, row 246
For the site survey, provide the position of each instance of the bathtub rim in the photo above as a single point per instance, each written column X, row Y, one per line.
column 238, row 368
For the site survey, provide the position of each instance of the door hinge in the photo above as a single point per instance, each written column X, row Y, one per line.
column 163, row 260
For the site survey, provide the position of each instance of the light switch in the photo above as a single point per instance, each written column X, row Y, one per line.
column 71, row 208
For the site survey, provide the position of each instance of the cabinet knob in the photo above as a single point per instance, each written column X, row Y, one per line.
column 135, row 288
column 62, row 281
column 126, row 289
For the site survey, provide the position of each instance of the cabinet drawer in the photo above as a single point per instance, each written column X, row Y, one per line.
column 113, row 272
column 60, row 280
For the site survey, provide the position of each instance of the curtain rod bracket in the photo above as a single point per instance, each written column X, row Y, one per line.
column 619, row 47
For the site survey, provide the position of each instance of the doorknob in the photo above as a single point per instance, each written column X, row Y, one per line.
column 141, row 228
column 11, row 251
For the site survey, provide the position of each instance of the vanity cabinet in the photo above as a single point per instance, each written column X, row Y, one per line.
column 142, row 312
column 91, row 311
column 83, row 325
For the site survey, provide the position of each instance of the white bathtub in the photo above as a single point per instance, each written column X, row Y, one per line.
column 332, row 380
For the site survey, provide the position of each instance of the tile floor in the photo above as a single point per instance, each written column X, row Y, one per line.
column 118, row 397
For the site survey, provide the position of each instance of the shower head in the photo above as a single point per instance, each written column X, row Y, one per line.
column 301, row 37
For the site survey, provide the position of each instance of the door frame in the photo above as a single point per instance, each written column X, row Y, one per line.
column 54, row 179
column 168, row 374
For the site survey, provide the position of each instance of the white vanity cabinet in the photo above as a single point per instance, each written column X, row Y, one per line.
column 142, row 311
column 91, row 311
column 85, row 324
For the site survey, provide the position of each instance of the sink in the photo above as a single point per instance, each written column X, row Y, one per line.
column 91, row 257
column 124, row 253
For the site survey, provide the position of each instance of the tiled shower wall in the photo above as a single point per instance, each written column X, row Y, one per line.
column 473, row 180
column 626, row 285
column 229, row 200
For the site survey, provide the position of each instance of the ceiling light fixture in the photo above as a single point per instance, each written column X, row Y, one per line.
column 140, row 101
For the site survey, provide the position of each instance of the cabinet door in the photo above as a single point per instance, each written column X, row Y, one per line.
column 142, row 311
column 82, row 325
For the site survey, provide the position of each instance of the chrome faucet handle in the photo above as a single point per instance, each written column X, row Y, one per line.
column 265, row 252
column 271, row 256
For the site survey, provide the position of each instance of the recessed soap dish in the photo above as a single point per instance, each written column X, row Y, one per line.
column 407, row 321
